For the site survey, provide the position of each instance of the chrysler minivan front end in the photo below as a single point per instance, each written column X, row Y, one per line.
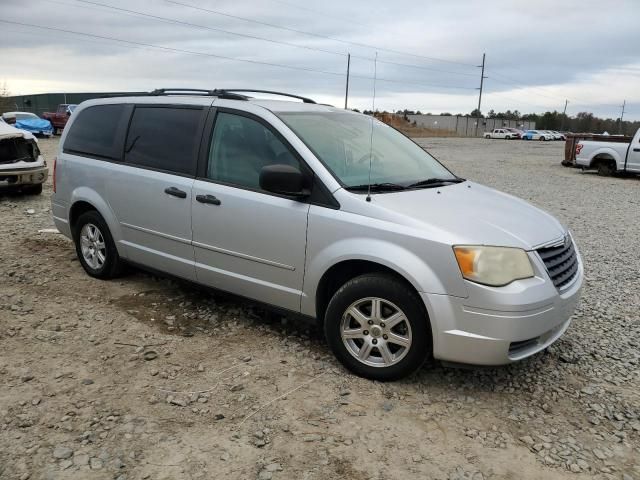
column 499, row 278
column 500, row 324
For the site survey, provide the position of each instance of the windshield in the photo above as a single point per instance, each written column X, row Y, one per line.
column 344, row 142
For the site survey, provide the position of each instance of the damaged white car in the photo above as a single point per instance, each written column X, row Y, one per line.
column 21, row 164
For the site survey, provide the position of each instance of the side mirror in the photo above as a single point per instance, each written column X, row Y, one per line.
column 283, row 179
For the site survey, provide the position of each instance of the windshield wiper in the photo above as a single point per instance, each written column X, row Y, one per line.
column 435, row 182
column 377, row 187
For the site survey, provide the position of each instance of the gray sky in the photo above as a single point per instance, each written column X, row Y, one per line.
column 538, row 53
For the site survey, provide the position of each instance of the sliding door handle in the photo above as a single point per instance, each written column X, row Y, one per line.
column 210, row 199
column 176, row 192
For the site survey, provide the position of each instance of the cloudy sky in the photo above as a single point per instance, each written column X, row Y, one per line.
column 538, row 53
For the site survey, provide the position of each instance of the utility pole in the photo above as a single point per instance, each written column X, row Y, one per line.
column 624, row 102
column 346, row 91
column 482, row 77
column 564, row 114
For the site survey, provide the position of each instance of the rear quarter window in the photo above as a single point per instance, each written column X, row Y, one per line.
column 98, row 131
column 165, row 138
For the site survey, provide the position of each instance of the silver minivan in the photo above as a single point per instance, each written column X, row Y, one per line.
column 319, row 211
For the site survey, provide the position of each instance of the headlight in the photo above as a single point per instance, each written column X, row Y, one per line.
column 495, row 266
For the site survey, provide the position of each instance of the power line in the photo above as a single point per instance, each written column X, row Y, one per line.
column 317, row 35
column 536, row 89
column 212, row 55
column 317, row 12
column 254, row 37
column 205, row 27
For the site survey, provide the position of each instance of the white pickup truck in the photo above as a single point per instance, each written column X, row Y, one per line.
column 609, row 157
column 501, row 133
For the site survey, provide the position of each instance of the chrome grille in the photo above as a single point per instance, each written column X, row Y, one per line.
column 561, row 262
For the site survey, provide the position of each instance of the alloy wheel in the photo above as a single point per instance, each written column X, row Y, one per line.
column 376, row 332
column 92, row 246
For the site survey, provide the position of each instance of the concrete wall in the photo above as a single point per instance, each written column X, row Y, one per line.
column 467, row 126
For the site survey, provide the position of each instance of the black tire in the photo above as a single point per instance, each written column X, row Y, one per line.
column 606, row 168
column 543, row 139
column 396, row 292
column 32, row 189
column 113, row 265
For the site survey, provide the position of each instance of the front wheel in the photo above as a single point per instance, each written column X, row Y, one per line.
column 378, row 328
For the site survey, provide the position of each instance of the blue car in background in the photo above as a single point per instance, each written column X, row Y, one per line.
column 31, row 123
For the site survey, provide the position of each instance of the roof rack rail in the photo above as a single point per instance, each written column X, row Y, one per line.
column 304, row 99
column 198, row 91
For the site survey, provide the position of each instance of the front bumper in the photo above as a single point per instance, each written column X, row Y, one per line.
column 497, row 326
column 23, row 176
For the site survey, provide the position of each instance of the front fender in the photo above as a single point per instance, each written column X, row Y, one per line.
column 89, row 195
column 397, row 258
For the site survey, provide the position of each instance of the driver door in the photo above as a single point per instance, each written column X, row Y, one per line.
column 248, row 241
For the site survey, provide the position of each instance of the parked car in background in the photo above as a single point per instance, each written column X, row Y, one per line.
column 554, row 135
column 609, row 157
column 21, row 164
column 537, row 135
column 31, row 123
column 60, row 117
column 285, row 203
column 502, row 133
column 518, row 133
column 558, row 135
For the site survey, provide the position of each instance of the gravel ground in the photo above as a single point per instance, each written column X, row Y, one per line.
column 147, row 377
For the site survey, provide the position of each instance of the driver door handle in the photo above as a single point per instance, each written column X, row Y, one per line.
column 175, row 192
column 636, row 149
column 210, row 199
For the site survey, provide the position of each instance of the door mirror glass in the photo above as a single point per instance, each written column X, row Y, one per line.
column 283, row 179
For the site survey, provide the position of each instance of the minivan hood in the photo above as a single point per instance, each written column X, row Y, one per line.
column 473, row 214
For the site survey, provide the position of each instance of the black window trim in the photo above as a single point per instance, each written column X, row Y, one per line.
column 201, row 125
column 122, row 130
column 323, row 197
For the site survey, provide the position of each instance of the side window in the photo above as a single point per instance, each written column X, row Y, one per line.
column 240, row 147
column 98, row 131
column 165, row 138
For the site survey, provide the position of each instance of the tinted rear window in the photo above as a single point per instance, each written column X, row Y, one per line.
column 164, row 138
column 98, row 131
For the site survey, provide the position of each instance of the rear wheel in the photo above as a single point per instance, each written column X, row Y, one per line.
column 543, row 138
column 606, row 168
column 378, row 328
column 95, row 247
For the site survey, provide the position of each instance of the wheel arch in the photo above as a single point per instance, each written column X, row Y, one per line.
column 601, row 155
column 84, row 199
